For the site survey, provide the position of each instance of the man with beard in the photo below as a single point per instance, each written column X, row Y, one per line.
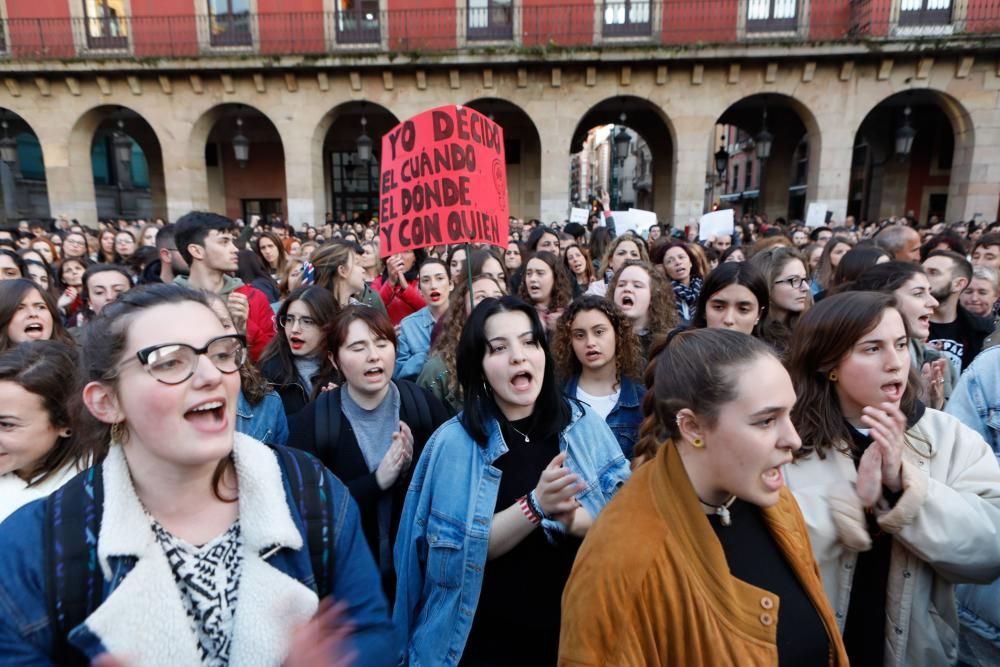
column 954, row 330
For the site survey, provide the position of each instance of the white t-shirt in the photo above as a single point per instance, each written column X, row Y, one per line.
column 602, row 405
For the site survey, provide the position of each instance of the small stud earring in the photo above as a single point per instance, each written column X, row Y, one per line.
column 697, row 442
column 832, row 376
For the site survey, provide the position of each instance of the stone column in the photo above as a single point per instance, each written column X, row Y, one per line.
column 692, row 133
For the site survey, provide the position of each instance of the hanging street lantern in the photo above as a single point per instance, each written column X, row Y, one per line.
column 364, row 143
column 8, row 146
column 122, row 144
column 241, row 145
column 904, row 136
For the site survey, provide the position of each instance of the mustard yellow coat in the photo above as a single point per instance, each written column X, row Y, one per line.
column 651, row 585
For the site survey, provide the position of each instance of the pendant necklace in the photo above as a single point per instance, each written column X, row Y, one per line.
column 520, row 433
column 721, row 511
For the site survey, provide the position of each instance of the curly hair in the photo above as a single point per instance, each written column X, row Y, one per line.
column 628, row 355
column 562, row 292
column 662, row 315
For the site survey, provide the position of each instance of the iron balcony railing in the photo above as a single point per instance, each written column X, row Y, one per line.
column 500, row 25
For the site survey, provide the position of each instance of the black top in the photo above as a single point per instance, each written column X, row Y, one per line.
column 962, row 339
column 340, row 452
column 517, row 619
column 754, row 557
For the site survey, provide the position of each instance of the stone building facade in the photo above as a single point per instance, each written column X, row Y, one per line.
column 182, row 83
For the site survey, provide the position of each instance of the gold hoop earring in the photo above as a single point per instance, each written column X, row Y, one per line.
column 119, row 433
column 832, row 376
column 698, row 442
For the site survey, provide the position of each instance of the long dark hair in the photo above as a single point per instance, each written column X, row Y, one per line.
column 323, row 309
column 49, row 369
column 562, row 291
column 697, row 369
column 824, row 336
column 732, row 273
column 282, row 255
column 551, row 413
column 885, row 277
column 856, row 261
column 12, row 292
column 106, row 338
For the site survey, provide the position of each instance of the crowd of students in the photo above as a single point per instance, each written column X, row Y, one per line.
column 233, row 444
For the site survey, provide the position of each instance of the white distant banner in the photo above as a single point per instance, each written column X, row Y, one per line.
column 578, row 215
column 633, row 220
column 816, row 215
column 716, row 223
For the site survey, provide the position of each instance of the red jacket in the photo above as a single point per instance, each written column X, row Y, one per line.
column 260, row 321
column 399, row 302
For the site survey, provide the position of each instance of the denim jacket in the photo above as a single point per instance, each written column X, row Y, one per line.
column 414, row 344
column 976, row 403
column 265, row 421
column 625, row 417
column 444, row 531
column 141, row 617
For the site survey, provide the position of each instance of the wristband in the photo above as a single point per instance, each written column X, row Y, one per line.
column 536, row 506
column 528, row 511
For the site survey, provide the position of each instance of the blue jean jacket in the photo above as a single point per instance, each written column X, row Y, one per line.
column 625, row 418
column 26, row 637
column 975, row 401
column 414, row 344
column 444, row 531
column 265, row 421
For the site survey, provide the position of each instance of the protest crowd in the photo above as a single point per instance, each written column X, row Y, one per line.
column 235, row 442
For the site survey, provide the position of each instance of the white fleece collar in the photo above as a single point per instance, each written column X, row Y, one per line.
column 143, row 618
column 265, row 520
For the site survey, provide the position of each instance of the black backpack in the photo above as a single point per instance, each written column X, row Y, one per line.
column 74, row 580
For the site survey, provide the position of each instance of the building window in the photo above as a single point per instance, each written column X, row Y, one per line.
column 736, row 179
column 358, row 22
column 925, row 12
column 229, row 23
column 626, row 18
column 771, row 15
column 491, row 19
column 105, row 24
column 748, row 179
column 800, row 176
column 355, row 184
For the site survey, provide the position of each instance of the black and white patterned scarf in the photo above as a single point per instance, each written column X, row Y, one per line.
column 208, row 578
column 686, row 297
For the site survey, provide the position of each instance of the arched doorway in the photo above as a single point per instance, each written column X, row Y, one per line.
column 23, row 191
column 127, row 166
column 763, row 152
column 352, row 152
column 903, row 157
column 245, row 164
column 623, row 146
column 523, row 152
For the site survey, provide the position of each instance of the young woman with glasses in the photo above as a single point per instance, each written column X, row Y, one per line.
column 201, row 553
column 790, row 296
column 296, row 362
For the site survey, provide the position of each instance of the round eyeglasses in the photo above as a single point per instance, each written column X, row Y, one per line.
column 174, row 363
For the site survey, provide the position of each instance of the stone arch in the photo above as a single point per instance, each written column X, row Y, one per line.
column 656, row 145
column 234, row 190
column 523, row 149
column 119, row 198
column 790, row 175
column 23, row 186
column 929, row 181
column 335, row 139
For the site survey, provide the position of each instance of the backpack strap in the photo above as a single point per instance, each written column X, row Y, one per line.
column 413, row 397
column 74, row 583
column 327, row 423
column 313, row 498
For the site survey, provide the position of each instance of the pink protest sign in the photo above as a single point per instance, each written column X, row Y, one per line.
column 443, row 181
